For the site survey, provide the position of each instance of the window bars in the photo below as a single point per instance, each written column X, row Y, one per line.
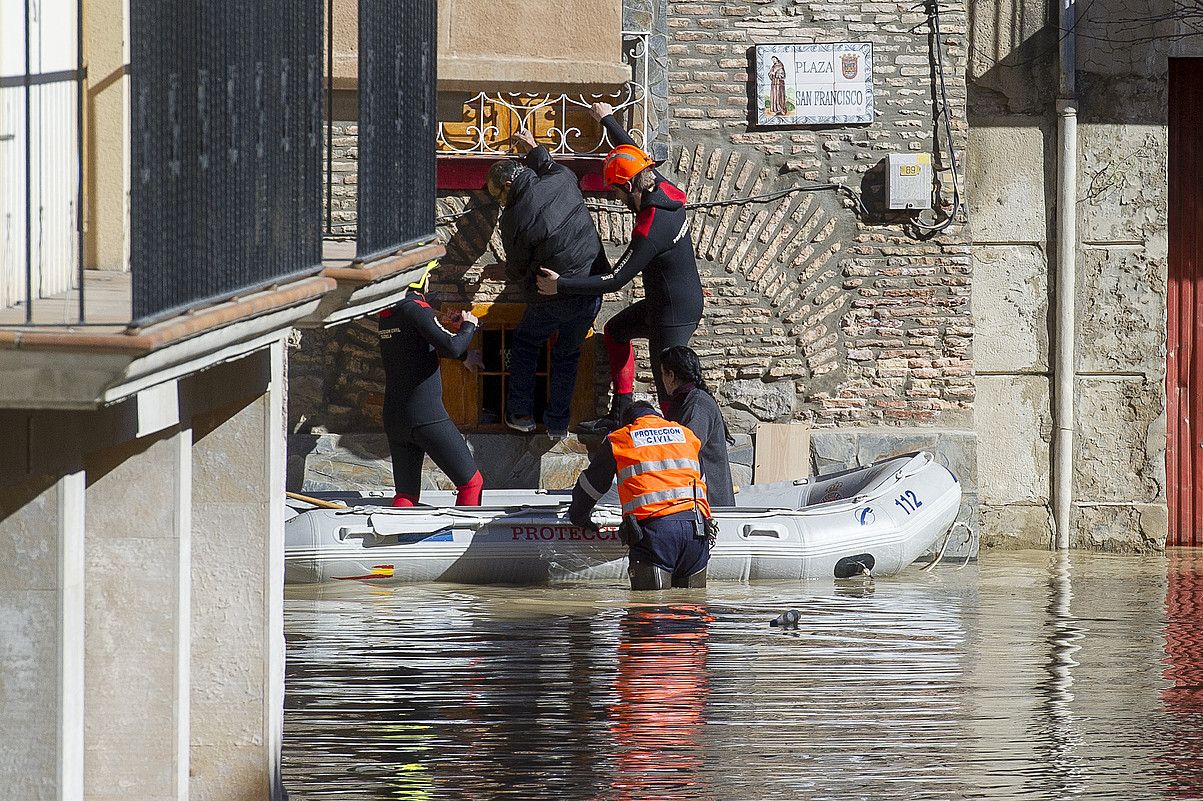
column 492, row 118
column 41, row 159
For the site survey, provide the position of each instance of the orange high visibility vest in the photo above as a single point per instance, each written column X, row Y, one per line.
column 658, row 468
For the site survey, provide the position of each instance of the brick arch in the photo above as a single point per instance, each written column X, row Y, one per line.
column 866, row 324
column 783, row 257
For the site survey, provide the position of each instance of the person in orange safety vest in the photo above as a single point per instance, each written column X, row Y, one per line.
column 664, row 508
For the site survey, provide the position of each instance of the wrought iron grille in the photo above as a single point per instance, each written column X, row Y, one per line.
column 396, row 125
column 561, row 122
column 225, row 151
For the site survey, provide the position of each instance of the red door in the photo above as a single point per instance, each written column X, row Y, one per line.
column 1184, row 336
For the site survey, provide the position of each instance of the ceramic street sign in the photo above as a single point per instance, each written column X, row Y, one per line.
column 814, row 84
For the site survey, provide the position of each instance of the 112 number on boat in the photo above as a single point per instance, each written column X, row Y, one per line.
column 908, row 501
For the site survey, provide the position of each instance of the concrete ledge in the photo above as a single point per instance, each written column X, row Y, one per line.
column 74, row 369
column 361, row 461
column 363, row 289
column 844, row 448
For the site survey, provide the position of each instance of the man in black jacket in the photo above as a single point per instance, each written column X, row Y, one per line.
column 544, row 224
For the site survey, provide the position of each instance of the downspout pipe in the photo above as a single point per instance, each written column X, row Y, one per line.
column 1065, row 347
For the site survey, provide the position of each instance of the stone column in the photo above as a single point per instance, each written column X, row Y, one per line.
column 137, row 591
column 237, row 590
column 42, row 638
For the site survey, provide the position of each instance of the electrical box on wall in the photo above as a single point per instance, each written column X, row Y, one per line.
column 909, row 180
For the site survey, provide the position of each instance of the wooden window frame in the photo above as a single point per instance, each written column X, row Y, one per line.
column 462, row 389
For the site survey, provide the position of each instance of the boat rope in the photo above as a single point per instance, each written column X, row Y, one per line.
column 866, row 570
column 947, row 539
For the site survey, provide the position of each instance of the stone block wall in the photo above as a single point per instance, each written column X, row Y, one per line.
column 1121, row 268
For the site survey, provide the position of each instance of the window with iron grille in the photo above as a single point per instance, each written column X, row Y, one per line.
column 396, row 125
column 225, row 106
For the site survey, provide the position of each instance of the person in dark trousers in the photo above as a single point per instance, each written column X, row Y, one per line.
column 660, row 249
column 692, row 404
column 412, row 338
column 665, row 512
column 544, row 223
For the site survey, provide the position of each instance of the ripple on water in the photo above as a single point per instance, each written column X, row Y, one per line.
column 1029, row 676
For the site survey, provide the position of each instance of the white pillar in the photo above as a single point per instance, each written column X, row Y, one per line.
column 275, row 458
column 138, row 618
column 237, row 591
column 41, row 638
column 71, row 494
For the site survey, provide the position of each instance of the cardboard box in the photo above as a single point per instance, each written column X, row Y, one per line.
column 782, row 452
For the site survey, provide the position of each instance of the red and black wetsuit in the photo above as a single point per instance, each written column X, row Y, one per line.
column 411, row 341
column 662, row 250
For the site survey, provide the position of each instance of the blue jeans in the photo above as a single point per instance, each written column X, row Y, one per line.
column 568, row 317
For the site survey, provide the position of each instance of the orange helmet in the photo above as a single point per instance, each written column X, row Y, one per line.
column 624, row 163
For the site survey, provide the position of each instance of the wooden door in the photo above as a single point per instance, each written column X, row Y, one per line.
column 1184, row 334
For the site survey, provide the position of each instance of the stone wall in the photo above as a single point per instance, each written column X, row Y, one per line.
column 1119, row 447
column 344, row 194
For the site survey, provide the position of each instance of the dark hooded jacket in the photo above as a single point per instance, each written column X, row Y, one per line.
column 545, row 224
column 660, row 248
column 697, row 410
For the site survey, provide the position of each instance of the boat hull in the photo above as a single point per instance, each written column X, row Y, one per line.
column 891, row 522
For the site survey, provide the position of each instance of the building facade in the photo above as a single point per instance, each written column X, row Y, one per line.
column 160, row 198
column 824, row 307
column 870, row 331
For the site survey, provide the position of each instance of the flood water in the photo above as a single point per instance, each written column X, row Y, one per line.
column 1024, row 676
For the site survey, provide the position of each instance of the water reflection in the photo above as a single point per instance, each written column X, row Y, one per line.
column 1060, row 735
column 1030, row 676
column 1183, row 699
column 662, row 688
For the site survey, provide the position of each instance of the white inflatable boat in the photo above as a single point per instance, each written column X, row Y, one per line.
column 878, row 518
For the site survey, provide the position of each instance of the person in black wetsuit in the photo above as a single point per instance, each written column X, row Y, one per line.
column 661, row 249
column 412, row 338
column 692, row 404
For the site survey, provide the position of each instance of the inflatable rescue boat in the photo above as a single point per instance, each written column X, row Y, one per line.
column 876, row 519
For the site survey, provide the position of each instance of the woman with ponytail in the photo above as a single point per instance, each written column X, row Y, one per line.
column 692, row 404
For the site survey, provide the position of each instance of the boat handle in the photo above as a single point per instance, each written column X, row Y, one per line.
column 770, row 530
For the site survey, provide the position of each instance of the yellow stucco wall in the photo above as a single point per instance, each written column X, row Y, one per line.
column 106, row 149
column 509, row 44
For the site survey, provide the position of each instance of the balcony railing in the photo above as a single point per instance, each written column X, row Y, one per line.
column 224, row 159
column 483, row 130
column 225, row 155
column 41, row 158
column 561, row 122
column 396, row 125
